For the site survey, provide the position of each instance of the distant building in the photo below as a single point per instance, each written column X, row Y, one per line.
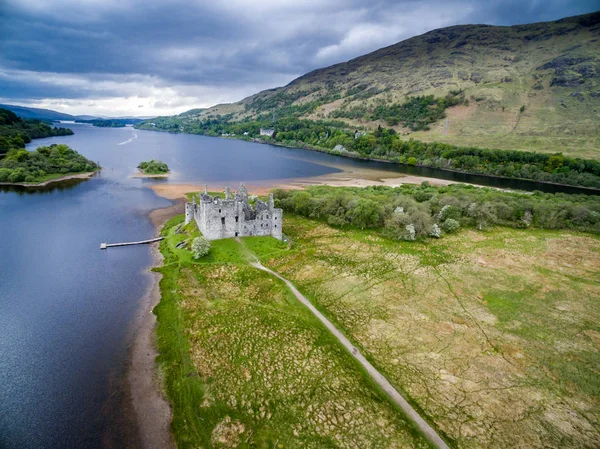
column 267, row 132
column 232, row 216
column 357, row 134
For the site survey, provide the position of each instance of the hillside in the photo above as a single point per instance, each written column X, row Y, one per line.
column 527, row 87
column 15, row 131
column 37, row 113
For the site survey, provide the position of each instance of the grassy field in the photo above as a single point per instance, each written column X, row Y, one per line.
column 495, row 336
column 245, row 365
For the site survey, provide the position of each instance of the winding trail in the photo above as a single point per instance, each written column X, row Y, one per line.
column 393, row 394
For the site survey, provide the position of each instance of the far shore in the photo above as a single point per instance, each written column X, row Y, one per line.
column 86, row 175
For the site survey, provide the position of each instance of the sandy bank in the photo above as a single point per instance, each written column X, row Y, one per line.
column 152, row 409
column 359, row 178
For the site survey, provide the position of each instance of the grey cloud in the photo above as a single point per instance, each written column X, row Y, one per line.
column 210, row 46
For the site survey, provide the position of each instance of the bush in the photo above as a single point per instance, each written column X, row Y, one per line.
column 200, row 247
column 451, row 225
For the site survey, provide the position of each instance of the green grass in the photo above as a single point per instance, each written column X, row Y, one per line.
column 246, row 365
column 500, row 325
column 265, row 247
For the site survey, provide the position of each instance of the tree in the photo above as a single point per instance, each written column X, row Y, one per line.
column 451, row 225
column 200, row 247
column 365, row 213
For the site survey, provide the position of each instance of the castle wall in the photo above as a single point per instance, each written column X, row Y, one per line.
column 219, row 219
column 189, row 212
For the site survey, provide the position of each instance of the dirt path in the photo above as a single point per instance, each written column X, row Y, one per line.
column 393, row 394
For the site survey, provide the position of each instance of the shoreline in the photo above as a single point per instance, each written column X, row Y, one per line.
column 359, row 178
column 152, row 408
column 86, row 175
column 591, row 190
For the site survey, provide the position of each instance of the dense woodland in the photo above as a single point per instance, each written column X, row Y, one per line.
column 416, row 113
column 385, row 144
column 418, row 212
column 15, row 132
column 45, row 163
column 111, row 123
column 153, row 167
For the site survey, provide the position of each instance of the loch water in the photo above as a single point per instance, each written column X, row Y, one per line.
column 66, row 308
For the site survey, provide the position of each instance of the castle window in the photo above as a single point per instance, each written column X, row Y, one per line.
column 237, row 219
column 275, row 225
column 223, row 220
column 219, row 210
column 236, row 234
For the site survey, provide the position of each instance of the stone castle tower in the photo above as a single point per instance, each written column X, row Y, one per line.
column 232, row 216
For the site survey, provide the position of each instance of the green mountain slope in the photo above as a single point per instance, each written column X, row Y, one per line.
column 527, row 87
column 15, row 131
column 37, row 113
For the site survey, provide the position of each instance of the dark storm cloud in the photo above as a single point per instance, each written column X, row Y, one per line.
column 214, row 50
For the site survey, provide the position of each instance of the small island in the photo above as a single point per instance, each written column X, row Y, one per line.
column 45, row 165
column 152, row 169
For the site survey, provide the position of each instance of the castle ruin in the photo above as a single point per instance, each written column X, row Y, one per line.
column 232, row 216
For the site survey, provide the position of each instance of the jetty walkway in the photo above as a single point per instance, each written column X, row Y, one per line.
column 142, row 242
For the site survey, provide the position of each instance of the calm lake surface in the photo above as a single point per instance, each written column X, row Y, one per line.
column 66, row 307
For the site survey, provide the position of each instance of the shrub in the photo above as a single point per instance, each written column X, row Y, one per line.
column 451, row 225
column 435, row 232
column 200, row 247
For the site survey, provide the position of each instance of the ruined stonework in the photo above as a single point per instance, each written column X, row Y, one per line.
column 219, row 218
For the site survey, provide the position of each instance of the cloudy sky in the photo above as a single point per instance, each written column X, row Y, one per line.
column 133, row 57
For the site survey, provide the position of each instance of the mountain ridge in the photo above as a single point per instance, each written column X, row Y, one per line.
column 528, row 87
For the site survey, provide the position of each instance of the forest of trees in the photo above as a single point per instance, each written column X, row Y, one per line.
column 15, row 132
column 20, row 165
column 153, row 167
column 385, row 144
column 414, row 212
column 111, row 123
column 416, row 113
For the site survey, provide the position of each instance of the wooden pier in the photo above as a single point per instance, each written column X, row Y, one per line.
column 143, row 242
